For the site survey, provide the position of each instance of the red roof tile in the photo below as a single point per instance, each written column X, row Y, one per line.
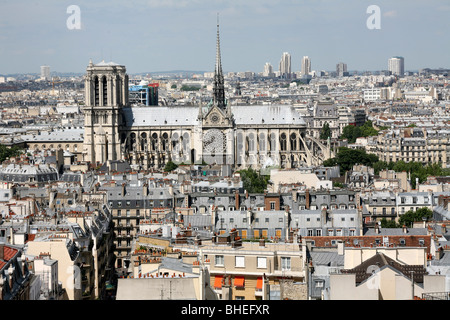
column 8, row 253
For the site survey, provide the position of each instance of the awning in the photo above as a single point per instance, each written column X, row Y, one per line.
column 239, row 281
column 259, row 283
column 218, row 282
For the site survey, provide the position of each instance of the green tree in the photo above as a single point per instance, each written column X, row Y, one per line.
column 6, row 152
column 368, row 130
column 411, row 216
column 351, row 132
column 389, row 223
column 189, row 88
column 253, row 181
column 346, row 158
column 325, row 133
column 380, row 166
column 170, row 166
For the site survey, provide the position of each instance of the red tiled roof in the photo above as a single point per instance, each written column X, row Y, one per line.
column 8, row 254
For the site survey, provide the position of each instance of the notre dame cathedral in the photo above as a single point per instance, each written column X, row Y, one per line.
column 243, row 136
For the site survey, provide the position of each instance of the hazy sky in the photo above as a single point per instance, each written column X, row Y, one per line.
column 160, row 35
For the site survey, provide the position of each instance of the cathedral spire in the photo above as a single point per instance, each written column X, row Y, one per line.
column 219, row 90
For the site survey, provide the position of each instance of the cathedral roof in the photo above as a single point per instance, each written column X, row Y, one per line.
column 266, row 115
column 187, row 115
column 161, row 116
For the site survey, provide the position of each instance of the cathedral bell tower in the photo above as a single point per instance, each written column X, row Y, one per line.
column 106, row 89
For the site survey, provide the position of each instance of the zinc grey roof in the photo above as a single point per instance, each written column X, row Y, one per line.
column 327, row 258
column 197, row 220
column 439, row 210
column 70, row 177
column 176, row 265
column 267, row 114
column 28, row 169
column 188, row 115
column 236, row 215
column 67, row 135
column 444, row 261
column 274, row 219
column 161, row 116
column 397, row 232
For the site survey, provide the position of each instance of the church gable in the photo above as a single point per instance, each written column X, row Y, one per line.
column 215, row 117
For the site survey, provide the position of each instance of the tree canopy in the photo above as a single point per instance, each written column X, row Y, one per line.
column 416, row 169
column 170, row 166
column 253, row 181
column 351, row 132
column 346, row 158
column 325, row 132
column 6, row 152
column 409, row 217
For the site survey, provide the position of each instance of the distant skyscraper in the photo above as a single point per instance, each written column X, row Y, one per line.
column 306, row 66
column 341, row 69
column 45, row 72
column 396, row 65
column 285, row 66
column 268, row 70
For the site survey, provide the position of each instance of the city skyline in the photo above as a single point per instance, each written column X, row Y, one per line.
column 153, row 36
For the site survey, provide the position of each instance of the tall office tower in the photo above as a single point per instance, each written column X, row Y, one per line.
column 341, row 69
column 268, row 70
column 45, row 72
column 396, row 65
column 285, row 66
column 306, row 66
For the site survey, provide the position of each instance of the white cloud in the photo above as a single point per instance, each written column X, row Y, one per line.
column 390, row 14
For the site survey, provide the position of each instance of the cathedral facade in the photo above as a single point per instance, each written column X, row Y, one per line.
column 242, row 136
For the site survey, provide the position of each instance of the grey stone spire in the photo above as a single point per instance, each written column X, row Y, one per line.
column 219, row 89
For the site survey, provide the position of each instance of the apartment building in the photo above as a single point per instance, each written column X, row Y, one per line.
column 254, row 270
column 316, row 199
column 129, row 204
column 378, row 205
column 326, row 222
column 414, row 200
column 71, row 246
column 47, row 270
column 15, row 278
column 384, row 274
column 249, row 224
column 414, row 144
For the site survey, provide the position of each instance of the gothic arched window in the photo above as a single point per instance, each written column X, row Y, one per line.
column 283, row 143
column 154, row 141
column 133, row 141
column 165, row 141
column 251, row 142
column 262, row 142
column 96, row 91
column 293, row 141
column 105, row 91
column 143, row 141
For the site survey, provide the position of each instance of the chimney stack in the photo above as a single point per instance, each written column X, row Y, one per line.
column 262, row 242
column 2, row 247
